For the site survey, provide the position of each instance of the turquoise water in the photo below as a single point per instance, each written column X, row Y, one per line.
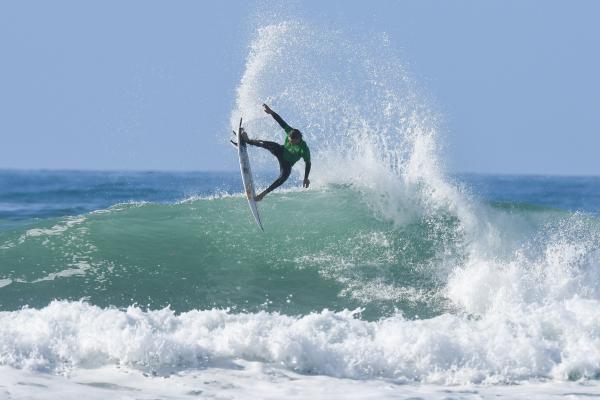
column 322, row 248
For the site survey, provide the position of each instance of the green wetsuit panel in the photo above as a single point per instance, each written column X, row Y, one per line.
column 293, row 152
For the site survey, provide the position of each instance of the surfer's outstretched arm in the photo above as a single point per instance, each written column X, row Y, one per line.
column 277, row 118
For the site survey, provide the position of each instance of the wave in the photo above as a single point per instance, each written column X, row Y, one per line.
column 206, row 252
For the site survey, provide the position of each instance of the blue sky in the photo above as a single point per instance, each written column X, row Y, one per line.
column 150, row 85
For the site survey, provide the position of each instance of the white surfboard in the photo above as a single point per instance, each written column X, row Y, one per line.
column 247, row 176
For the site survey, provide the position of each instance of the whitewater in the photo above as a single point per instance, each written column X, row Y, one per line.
column 387, row 279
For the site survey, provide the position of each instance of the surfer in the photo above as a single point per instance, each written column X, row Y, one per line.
column 293, row 149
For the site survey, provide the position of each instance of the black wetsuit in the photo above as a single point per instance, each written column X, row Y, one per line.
column 287, row 154
column 285, row 168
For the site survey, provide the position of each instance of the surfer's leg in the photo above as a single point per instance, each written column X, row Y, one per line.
column 285, row 170
column 275, row 148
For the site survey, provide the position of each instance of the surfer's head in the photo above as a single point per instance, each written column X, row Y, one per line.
column 295, row 136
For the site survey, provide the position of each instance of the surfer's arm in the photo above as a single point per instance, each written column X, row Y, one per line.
column 281, row 122
column 277, row 118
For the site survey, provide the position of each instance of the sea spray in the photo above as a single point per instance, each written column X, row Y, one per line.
column 370, row 129
column 364, row 118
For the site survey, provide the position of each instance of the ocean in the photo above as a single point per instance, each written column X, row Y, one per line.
column 389, row 278
column 113, row 283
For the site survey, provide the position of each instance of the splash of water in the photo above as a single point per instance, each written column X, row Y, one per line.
column 370, row 127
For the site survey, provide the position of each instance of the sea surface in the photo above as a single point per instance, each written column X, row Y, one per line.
column 389, row 278
column 113, row 283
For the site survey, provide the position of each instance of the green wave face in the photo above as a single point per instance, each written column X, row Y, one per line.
column 320, row 249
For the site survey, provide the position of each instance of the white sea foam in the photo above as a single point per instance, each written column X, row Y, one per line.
column 562, row 263
column 557, row 341
column 68, row 239
column 255, row 380
column 78, row 268
column 55, row 230
column 213, row 196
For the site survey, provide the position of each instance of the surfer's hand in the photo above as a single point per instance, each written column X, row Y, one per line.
column 306, row 182
column 267, row 109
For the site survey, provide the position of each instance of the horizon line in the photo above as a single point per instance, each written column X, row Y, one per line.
column 182, row 171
